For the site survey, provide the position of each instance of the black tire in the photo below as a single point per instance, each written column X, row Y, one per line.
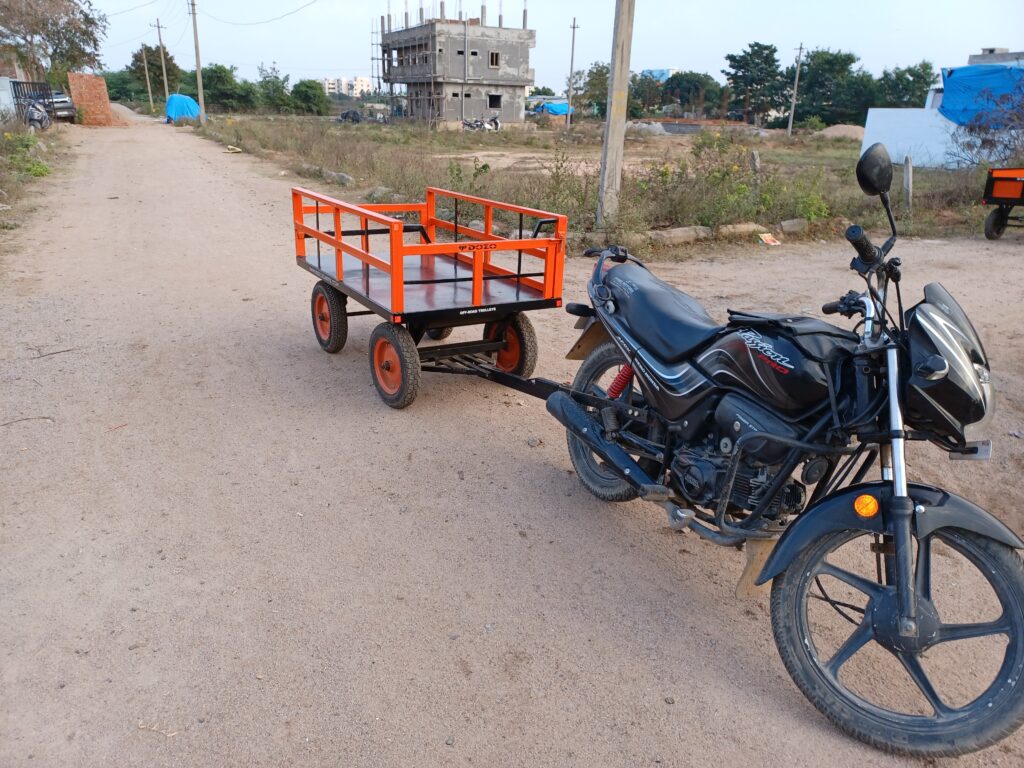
column 330, row 323
column 394, row 364
column 596, row 478
column 520, row 354
column 439, row 333
column 995, row 223
column 993, row 714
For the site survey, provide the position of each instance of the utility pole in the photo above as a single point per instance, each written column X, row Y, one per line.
column 199, row 66
column 796, row 84
column 163, row 64
column 572, row 73
column 149, row 89
column 615, row 113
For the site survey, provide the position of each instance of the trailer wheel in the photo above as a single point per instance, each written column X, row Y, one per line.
column 330, row 323
column 519, row 356
column 995, row 223
column 395, row 364
column 439, row 333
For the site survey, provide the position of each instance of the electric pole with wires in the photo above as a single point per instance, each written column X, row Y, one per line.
column 163, row 64
column 796, row 84
column 572, row 74
column 199, row 65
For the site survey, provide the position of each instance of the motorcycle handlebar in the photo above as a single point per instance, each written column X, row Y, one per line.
column 866, row 250
column 831, row 308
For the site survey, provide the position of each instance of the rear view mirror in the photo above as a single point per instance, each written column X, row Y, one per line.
column 874, row 170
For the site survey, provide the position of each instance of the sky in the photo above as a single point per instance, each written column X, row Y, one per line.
column 331, row 38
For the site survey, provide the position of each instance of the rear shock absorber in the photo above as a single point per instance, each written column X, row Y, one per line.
column 623, row 379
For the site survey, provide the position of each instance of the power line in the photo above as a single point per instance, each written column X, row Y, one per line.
column 129, row 10
column 254, row 23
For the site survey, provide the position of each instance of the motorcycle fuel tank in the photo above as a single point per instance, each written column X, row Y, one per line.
column 768, row 366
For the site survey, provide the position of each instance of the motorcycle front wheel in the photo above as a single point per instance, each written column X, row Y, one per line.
column 956, row 686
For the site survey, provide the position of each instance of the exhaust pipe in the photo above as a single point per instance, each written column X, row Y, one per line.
column 572, row 416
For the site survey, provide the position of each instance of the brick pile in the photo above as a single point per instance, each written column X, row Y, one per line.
column 89, row 92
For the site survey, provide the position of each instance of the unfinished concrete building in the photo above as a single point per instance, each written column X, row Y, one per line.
column 459, row 69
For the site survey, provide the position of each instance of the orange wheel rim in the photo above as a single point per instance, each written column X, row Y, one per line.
column 322, row 316
column 508, row 358
column 387, row 366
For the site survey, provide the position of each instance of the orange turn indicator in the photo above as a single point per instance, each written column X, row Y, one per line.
column 866, row 505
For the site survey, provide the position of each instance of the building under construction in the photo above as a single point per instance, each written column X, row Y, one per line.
column 459, row 69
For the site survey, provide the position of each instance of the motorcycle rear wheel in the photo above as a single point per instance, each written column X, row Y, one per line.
column 885, row 690
column 593, row 377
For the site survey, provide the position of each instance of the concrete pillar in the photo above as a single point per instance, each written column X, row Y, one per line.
column 442, row 10
column 615, row 118
column 483, row 15
column 524, row 14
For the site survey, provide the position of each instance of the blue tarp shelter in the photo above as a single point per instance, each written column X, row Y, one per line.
column 970, row 91
column 181, row 107
column 554, row 108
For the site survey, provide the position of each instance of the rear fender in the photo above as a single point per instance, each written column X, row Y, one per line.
column 594, row 334
column 836, row 512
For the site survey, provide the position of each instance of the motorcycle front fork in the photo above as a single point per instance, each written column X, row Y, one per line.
column 901, row 506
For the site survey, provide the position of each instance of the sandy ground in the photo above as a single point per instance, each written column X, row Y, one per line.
column 219, row 548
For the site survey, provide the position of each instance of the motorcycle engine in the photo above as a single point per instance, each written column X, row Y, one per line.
column 700, row 469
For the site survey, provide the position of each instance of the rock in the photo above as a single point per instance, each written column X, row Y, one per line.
column 338, row 177
column 678, row 235
column 533, row 442
column 631, row 241
column 794, row 226
column 4, row 207
column 379, row 194
column 310, row 170
column 450, row 741
column 477, row 224
column 646, row 129
column 745, row 229
column 669, row 700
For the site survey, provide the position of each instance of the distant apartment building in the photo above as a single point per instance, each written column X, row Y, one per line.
column 460, row 69
column 354, row 87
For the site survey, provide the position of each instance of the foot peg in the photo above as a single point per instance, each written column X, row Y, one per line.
column 679, row 518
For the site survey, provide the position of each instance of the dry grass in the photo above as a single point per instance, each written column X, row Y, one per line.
column 669, row 181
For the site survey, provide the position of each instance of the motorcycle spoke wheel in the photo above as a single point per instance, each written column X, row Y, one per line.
column 594, row 377
column 953, row 688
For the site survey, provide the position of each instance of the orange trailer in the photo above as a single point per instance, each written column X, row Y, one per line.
column 1004, row 189
column 425, row 271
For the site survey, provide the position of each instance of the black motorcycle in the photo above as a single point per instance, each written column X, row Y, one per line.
column 761, row 433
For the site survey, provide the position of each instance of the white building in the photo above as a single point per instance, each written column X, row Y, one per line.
column 353, row 87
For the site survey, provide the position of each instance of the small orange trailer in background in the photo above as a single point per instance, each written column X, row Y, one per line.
column 426, row 273
column 1004, row 188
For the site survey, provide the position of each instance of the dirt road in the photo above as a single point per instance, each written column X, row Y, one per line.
column 218, row 548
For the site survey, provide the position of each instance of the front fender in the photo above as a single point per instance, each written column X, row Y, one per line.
column 836, row 512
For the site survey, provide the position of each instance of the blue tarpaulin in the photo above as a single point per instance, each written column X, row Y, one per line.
column 970, row 91
column 555, row 108
column 181, row 107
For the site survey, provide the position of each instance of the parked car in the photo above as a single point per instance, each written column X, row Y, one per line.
column 63, row 107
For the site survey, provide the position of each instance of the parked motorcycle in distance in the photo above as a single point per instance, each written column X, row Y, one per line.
column 493, row 124
column 36, row 117
column 897, row 607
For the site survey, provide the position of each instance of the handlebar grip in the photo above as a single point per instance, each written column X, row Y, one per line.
column 831, row 308
column 861, row 243
column 592, row 251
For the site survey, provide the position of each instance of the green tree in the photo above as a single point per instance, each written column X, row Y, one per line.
column 756, row 81
column 156, row 74
column 646, row 91
column 53, row 36
column 693, row 91
column 273, row 90
column 906, row 86
column 222, row 91
column 541, row 91
column 122, row 86
column 595, row 87
column 309, row 97
column 832, row 90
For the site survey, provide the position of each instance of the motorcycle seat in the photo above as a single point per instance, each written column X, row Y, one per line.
column 666, row 321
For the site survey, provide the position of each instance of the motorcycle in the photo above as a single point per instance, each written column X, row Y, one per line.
column 493, row 124
column 36, row 117
column 760, row 434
